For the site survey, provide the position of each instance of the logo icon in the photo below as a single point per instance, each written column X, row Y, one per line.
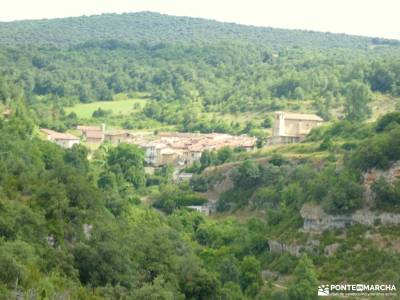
column 323, row 290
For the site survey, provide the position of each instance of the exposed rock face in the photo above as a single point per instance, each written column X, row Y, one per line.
column 331, row 249
column 87, row 230
column 267, row 274
column 217, row 187
column 293, row 249
column 373, row 175
column 390, row 175
column 316, row 220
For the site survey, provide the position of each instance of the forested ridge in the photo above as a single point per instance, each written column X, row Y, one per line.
column 222, row 78
column 204, row 66
column 158, row 28
column 86, row 223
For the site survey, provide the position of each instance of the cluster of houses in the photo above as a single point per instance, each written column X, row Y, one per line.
column 179, row 149
column 182, row 149
column 186, row 148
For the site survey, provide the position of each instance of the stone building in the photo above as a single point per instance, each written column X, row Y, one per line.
column 92, row 134
column 292, row 127
column 117, row 137
column 64, row 140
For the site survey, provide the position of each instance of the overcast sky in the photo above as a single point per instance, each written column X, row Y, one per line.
column 363, row 17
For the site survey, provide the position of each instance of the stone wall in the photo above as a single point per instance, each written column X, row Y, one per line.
column 316, row 220
column 311, row 246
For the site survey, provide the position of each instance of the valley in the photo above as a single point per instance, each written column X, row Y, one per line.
column 147, row 156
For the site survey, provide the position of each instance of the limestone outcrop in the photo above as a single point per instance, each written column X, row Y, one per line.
column 311, row 246
column 316, row 220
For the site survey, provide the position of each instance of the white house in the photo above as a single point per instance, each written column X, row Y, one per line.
column 64, row 140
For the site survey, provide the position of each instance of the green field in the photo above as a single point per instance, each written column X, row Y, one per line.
column 119, row 107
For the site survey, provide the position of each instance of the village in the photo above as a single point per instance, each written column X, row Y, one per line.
column 174, row 148
column 183, row 149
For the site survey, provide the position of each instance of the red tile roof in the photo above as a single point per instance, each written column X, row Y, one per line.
column 94, row 134
column 54, row 135
column 88, row 128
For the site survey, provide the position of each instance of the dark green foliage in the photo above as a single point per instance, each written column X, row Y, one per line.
column 199, row 183
column 181, row 70
column 341, row 129
column 387, row 121
column 305, row 282
column 247, row 175
column 77, row 157
column 378, row 151
column 326, row 144
column 128, row 160
column 270, row 186
column 344, row 194
column 61, row 235
column 172, row 198
column 357, row 97
column 384, row 77
column 101, row 113
column 207, row 158
column 267, row 123
column 277, row 160
column 387, row 195
column 156, row 28
column 210, row 158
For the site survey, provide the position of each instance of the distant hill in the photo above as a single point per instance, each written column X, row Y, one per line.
column 158, row 28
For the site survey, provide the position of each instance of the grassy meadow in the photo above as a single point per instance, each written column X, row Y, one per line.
column 117, row 106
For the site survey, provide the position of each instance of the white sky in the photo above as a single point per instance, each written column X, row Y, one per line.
column 363, row 17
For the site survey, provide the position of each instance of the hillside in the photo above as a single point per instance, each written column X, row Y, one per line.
column 157, row 28
column 335, row 197
column 103, row 222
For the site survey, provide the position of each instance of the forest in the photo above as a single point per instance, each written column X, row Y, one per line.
column 92, row 224
column 247, row 72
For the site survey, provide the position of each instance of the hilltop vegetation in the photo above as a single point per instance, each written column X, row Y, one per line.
column 158, row 28
column 225, row 72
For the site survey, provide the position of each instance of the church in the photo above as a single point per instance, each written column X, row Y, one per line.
column 292, row 127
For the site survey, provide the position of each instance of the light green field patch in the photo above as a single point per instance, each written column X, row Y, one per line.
column 382, row 104
column 120, row 107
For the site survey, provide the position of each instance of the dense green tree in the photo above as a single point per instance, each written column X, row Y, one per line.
column 267, row 123
column 224, row 154
column 247, row 174
column 250, row 277
column 305, row 282
column 357, row 97
column 387, row 195
column 128, row 160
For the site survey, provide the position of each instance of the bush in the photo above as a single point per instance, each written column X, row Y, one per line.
column 345, row 194
column 377, row 152
column 101, row 113
column 388, row 119
column 267, row 123
column 247, row 175
column 386, row 195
